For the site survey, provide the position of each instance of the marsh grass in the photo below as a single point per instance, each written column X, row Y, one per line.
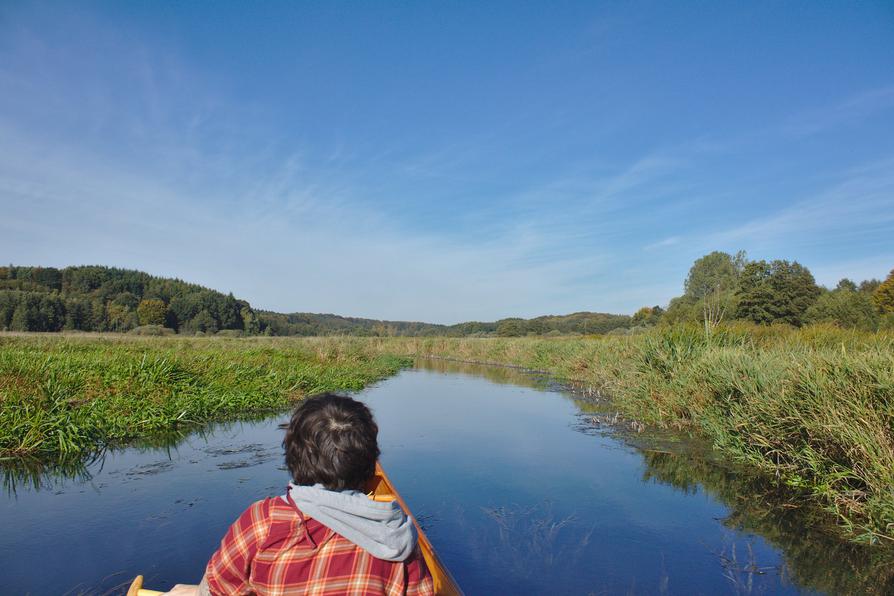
column 811, row 408
column 67, row 396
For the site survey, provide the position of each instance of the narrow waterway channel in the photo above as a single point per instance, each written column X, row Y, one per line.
column 518, row 491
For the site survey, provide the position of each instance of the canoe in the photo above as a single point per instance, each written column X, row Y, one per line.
column 137, row 589
column 380, row 488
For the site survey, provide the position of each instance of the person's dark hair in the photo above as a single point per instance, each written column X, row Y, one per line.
column 332, row 440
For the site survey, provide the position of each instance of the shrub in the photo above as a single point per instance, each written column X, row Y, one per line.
column 153, row 330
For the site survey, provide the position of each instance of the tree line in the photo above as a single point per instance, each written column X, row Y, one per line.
column 719, row 287
column 310, row 324
column 94, row 298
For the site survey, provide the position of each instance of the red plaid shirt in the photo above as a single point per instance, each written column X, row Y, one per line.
column 275, row 550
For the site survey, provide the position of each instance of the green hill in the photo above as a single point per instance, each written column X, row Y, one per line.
column 97, row 298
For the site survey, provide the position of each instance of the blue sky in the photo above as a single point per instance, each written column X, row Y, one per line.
column 447, row 161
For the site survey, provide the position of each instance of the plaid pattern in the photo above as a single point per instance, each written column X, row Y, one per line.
column 274, row 550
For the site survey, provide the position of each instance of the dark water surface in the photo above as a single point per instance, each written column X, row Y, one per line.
column 516, row 489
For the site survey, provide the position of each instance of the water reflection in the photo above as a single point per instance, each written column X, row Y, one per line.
column 35, row 474
column 513, row 497
column 532, row 538
column 30, row 474
column 815, row 555
column 502, row 375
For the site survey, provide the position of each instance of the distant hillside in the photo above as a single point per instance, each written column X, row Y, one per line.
column 96, row 298
column 304, row 323
column 327, row 324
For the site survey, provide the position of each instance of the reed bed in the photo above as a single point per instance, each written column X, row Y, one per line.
column 813, row 408
column 66, row 396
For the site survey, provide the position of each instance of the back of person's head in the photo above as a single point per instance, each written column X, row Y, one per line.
column 332, row 440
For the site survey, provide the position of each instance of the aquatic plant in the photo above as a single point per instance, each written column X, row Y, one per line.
column 812, row 408
column 62, row 396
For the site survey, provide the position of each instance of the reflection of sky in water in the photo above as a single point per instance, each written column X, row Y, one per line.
column 521, row 498
column 514, row 499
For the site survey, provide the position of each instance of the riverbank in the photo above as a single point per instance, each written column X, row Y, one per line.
column 63, row 396
column 813, row 408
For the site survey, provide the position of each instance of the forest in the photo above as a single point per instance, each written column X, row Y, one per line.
column 94, row 298
column 720, row 287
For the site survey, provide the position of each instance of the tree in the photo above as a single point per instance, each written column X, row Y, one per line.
column 203, row 322
column 717, row 270
column 647, row 316
column 127, row 300
column 869, row 286
column 883, row 296
column 77, row 314
column 709, row 290
column 846, row 284
column 250, row 320
column 21, row 318
column 121, row 318
column 51, row 313
column 845, row 308
column 152, row 312
column 511, row 327
column 681, row 309
column 776, row 292
column 99, row 317
column 714, row 308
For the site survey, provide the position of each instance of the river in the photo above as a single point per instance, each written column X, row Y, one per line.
column 517, row 488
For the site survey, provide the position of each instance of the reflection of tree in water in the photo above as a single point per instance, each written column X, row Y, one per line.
column 815, row 556
column 500, row 374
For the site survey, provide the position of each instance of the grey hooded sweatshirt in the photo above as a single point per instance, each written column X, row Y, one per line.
column 381, row 529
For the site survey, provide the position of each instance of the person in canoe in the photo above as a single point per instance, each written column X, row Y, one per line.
column 324, row 536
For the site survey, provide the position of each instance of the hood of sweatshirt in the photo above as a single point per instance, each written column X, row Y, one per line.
column 381, row 529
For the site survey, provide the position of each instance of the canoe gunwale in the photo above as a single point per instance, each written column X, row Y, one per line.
column 381, row 488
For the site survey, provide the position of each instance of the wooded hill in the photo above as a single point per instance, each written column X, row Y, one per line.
column 327, row 324
column 720, row 287
column 96, row 298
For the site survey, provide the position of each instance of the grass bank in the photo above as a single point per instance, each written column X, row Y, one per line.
column 65, row 396
column 813, row 407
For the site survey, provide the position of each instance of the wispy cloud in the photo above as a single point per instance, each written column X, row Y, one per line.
column 116, row 149
column 854, row 108
column 670, row 241
column 209, row 202
column 858, row 205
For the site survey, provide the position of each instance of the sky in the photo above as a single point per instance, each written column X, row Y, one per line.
column 447, row 161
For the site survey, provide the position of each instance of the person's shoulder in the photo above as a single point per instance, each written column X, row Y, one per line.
column 264, row 510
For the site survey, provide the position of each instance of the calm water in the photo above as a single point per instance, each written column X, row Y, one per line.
column 518, row 493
